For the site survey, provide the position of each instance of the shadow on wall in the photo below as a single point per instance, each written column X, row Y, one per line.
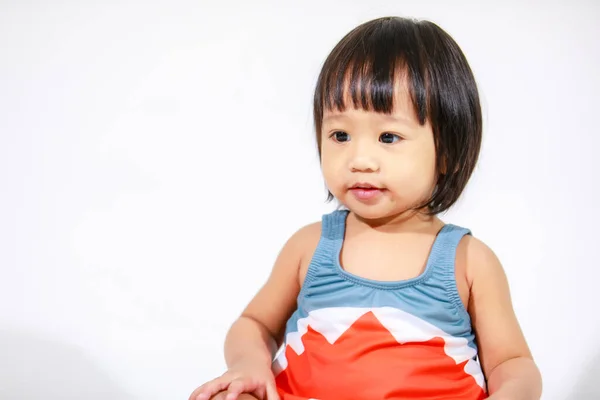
column 587, row 387
column 32, row 367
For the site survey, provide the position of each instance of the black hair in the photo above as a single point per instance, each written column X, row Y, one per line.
column 364, row 66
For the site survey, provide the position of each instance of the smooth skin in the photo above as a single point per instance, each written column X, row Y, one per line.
column 396, row 154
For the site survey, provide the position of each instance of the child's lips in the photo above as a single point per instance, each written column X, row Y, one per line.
column 365, row 185
column 366, row 192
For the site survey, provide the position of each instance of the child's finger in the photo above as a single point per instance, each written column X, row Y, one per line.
column 209, row 389
column 238, row 387
column 272, row 392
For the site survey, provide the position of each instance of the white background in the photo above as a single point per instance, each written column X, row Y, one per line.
column 155, row 156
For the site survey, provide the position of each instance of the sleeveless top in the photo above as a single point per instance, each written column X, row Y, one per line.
column 356, row 338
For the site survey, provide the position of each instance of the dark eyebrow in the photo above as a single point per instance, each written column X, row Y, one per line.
column 399, row 119
column 334, row 117
column 390, row 117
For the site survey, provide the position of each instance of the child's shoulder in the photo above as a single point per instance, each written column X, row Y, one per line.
column 476, row 259
column 305, row 239
column 308, row 231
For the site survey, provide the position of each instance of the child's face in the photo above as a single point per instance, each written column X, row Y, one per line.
column 392, row 153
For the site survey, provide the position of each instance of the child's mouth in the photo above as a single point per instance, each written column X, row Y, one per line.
column 365, row 192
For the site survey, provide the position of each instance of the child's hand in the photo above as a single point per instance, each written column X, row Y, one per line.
column 256, row 380
column 243, row 396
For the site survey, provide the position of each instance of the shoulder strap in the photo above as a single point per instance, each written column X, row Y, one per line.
column 443, row 252
column 333, row 225
column 443, row 261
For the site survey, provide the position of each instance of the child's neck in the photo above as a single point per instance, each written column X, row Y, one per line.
column 410, row 221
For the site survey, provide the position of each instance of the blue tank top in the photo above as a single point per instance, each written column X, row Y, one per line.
column 356, row 338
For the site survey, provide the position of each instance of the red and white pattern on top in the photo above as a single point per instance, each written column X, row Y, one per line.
column 375, row 353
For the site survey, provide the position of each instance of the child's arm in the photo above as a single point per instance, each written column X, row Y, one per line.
column 505, row 356
column 256, row 335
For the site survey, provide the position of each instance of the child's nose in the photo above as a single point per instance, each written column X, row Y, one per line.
column 363, row 163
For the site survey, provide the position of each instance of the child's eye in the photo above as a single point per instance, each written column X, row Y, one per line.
column 340, row 136
column 389, row 138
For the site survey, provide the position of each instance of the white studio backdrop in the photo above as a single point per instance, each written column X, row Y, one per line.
column 155, row 156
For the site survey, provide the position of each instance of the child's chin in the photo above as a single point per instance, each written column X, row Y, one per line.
column 371, row 211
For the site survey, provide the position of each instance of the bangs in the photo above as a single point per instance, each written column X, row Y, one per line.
column 369, row 67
